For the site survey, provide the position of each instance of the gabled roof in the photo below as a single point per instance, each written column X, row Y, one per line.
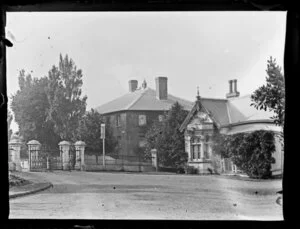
column 218, row 109
column 240, row 110
column 196, row 108
column 142, row 99
column 233, row 111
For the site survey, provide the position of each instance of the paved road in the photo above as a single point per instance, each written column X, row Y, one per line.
column 88, row 195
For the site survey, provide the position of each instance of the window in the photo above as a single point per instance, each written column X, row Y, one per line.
column 160, row 118
column 142, row 120
column 142, row 143
column 118, row 120
column 119, row 140
column 196, row 149
column 206, row 147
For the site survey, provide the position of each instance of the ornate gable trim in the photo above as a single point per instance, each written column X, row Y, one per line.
column 198, row 107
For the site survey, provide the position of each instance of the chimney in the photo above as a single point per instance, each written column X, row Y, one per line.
column 235, row 86
column 230, row 86
column 161, row 87
column 234, row 92
column 132, row 85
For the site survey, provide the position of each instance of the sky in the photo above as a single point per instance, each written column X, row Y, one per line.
column 205, row 49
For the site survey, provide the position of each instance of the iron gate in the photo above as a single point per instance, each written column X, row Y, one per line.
column 45, row 159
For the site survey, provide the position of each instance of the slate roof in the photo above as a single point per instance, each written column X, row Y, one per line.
column 232, row 111
column 240, row 110
column 218, row 109
column 142, row 99
column 223, row 111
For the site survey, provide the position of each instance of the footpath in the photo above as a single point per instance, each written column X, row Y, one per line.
column 32, row 184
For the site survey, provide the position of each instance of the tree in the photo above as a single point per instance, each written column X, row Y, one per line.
column 272, row 95
column 167, row 139
column 66, row 106
column 89, row 131
column 29, row 105
column 251, row 152
column 49, row 108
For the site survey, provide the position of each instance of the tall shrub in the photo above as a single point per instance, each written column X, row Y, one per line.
column 251, row 152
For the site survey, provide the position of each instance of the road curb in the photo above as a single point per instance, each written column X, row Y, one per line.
column 25, row 193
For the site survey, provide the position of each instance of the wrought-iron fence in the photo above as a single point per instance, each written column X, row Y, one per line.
column 45, row 158
column 92, row 157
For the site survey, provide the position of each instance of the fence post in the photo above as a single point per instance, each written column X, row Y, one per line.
column 14, row 150
column 33, row 151
column 139, row 157
column 65, row 151
column 80, row 146
column 48, row 163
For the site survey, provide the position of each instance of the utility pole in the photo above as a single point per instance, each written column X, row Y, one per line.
column 103, row 138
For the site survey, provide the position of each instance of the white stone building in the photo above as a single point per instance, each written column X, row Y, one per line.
column 228, row 116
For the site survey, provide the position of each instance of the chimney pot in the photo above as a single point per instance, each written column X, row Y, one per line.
column 230, row 86
column 235, row 87
column 132, row 85
column 232, row 89
column 161, row 87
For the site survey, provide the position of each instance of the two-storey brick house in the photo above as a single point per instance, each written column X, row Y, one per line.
column 132, row 114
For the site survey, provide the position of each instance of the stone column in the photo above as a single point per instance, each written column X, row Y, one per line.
column 188, row 147
column 64, row 147
column 80, row 146
column 14, row 150
column 33, row 151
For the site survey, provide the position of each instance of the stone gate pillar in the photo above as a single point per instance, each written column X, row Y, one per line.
column 34, row 147
column 154, row 158
column 80, row 146
column 14, row 147
column 64, row 147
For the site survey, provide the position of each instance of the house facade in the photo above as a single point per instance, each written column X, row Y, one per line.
column 131, row 115
column 227, row 116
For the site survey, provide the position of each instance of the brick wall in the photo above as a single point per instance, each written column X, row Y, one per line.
column 129, row 133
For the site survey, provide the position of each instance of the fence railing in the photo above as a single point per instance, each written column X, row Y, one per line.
column 116, row 159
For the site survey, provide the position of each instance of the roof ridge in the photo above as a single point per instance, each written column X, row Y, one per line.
column 239, row 97
column 111, row 100
column 214, row 99
column 185, row 100
column 137, row 99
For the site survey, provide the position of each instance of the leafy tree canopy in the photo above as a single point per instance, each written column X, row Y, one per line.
column 49, row 108
column 89, row 131
column 29, row 105
column 167, row 139
column 251, row 152
column 272, row 95
column 67, row 106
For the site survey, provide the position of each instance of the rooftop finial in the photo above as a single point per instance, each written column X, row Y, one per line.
column 198, row 96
